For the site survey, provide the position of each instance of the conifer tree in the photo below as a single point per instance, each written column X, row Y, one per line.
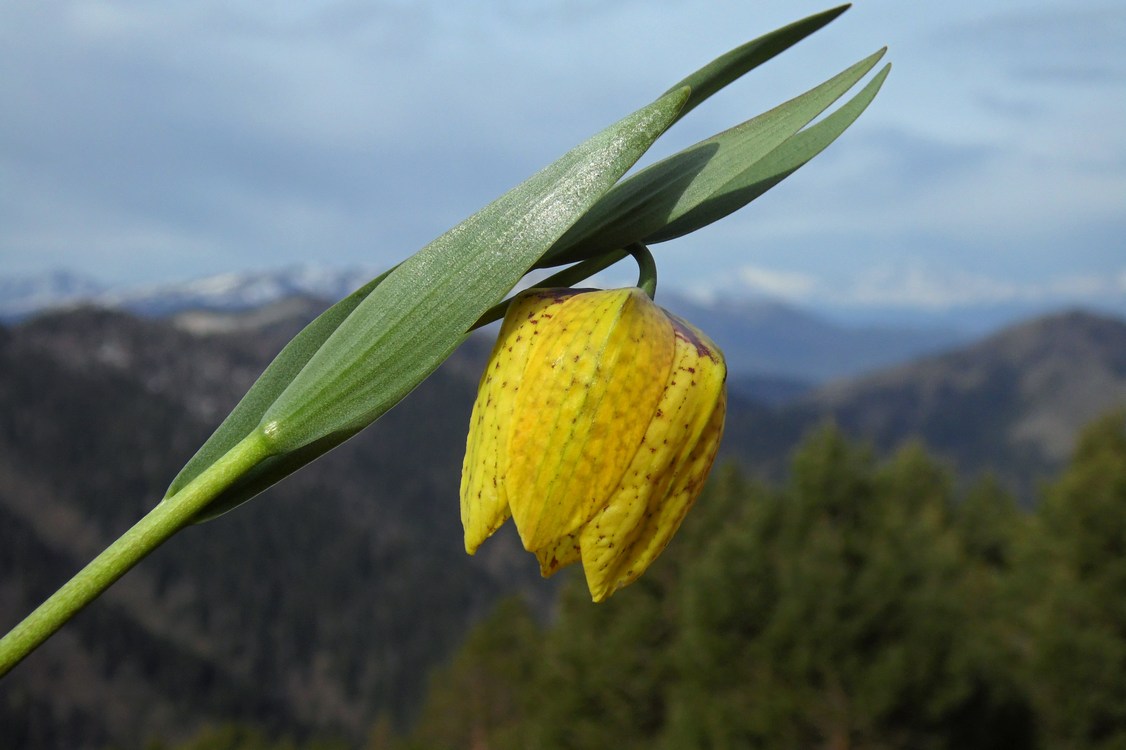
column 1078, row 666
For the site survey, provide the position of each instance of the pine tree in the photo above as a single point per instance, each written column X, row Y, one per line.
column 1078, row 663
column 837, row 616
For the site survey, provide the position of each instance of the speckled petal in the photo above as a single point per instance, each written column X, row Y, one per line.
column 484, row 503
column 558, row 555
column 667, row 473
column 591, row 386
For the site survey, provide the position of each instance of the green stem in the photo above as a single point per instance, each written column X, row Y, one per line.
column 646, row 268
column 160, row 523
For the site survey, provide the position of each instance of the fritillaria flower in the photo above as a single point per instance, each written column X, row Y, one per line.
column 596, row 422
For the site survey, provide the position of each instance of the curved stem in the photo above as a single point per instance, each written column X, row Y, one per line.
column 646, row 268
column 160, row 523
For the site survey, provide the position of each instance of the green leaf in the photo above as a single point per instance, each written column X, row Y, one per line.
column 733, row 65
column 368, row 352
column 776, row 166
column 424, row 308
column 641, row 207
column 270, row 384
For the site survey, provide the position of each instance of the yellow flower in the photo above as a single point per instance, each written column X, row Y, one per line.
column 596, row 422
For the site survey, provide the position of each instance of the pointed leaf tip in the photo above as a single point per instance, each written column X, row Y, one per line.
column 733, row 65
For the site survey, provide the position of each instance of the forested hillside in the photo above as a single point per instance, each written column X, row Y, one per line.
column 833, row 597
column 863, row 604
column 319, row 606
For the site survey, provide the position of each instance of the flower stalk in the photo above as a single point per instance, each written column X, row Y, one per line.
column 155, row 528
column 646, row 269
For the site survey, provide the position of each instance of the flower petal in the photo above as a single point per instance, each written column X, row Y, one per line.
column 667, row 473
column 591, row 386
column 558, row 555
column 484, row 503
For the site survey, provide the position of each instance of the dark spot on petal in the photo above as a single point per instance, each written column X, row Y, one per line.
column 684, row 332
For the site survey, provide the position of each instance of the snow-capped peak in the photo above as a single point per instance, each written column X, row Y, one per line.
column 24, row 296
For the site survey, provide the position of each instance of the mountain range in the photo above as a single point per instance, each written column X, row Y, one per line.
column 326, row 603
column 772, row 347
column 21, row 297
column 1010, row 404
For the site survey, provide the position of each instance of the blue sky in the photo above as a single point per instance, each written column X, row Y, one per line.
column 148, row 142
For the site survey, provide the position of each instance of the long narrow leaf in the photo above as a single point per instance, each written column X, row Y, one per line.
column 772, row 168
column 661, row 194
column 399, row 330
column 734, row 64
column 277, row 376
column 424, row 308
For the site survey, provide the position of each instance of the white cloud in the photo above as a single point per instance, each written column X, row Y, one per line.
column 914, row 286
column 790, row 285
column 926, row 288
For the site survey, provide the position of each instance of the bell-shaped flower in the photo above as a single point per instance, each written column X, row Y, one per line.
column 596, row 422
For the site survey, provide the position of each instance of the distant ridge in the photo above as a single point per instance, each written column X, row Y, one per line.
column 1049, row 377
column 761, row 338
column 770, row 338
column 1010, row 404
column 23, row 297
